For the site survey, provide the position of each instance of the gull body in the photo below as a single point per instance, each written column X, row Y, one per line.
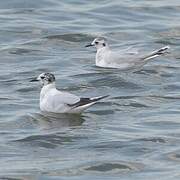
column 55, row 101
column 124, row 60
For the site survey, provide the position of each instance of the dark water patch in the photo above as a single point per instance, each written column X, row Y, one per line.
column 49, row 141
column 8, row 81
column 6, row 98
column 110, row 145
column 99, row 168
column 172, row 87
column 154, row 140
column 70, row 37
column 136, row 105
column 166, row 75
column 108, row 167
column 175, row 97
column 26, row 89
column 22, row 51
column 114, row 167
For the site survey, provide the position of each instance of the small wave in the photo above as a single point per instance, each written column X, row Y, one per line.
column 153, row 139
column 21, row 51
column 70, row 37
column 109, row 167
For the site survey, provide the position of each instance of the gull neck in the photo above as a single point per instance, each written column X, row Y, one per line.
column 49, row 86
column 103, row 48
column 46, row 88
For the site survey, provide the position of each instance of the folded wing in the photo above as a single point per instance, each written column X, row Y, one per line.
column 86, row 101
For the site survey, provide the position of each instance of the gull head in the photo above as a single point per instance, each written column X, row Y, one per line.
column 44, row 78
column 99, row 43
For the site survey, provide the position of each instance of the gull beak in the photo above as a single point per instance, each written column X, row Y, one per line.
column 88, row 45
column 34, row 80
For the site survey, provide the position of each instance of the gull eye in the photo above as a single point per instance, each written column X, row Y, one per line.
column 96, row 42
column 42, row 77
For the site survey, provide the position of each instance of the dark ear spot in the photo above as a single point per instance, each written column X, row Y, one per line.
column 104, row 44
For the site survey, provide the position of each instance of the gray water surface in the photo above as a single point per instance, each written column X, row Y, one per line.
column 133, row 134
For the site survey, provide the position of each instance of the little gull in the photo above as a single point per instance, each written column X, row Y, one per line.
column 55, row 101
column 123, row 60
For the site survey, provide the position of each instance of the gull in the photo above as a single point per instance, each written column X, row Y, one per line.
column 123, row 60
column 55, row 101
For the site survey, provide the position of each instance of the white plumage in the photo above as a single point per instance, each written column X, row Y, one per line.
column 55, row 101
column 124, row 60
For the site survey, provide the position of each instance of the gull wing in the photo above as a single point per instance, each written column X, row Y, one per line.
column 128, row 60
column 57, row 101
column 86, row 101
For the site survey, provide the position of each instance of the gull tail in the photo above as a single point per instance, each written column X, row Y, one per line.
column 157, row 53
column 85, row 103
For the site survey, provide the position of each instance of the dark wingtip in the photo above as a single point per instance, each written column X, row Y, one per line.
column 99, row 98
column 163, row 50
column 105, row 96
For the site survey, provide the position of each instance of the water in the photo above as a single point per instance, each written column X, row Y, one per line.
column 134, row 134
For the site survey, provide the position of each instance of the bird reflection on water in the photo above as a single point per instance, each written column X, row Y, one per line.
column 52, row 120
